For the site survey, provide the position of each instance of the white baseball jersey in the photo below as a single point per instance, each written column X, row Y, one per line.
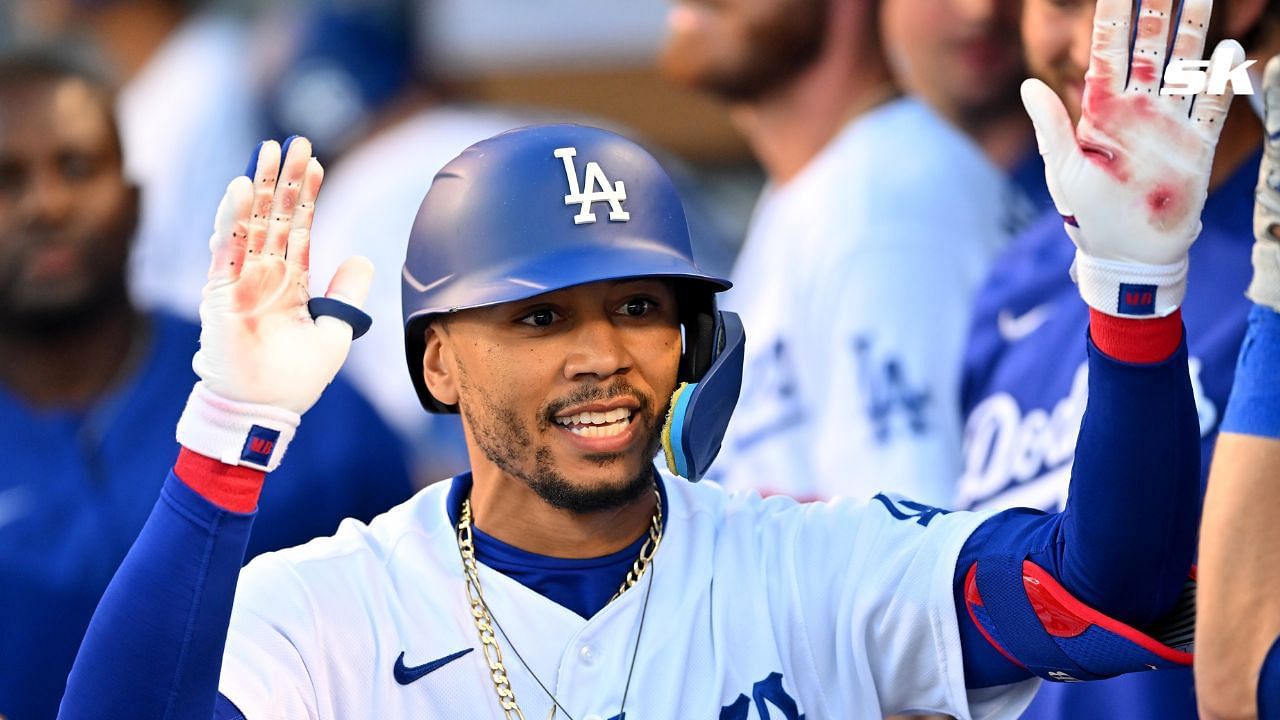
column 758, row 608
column 855, row 285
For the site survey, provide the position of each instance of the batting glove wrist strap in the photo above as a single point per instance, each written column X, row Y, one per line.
column 236, row 433
column 1130, row 290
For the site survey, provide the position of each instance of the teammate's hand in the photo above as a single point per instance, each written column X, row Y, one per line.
column 1265, row 288
column 1131, row 179
column 258, row 342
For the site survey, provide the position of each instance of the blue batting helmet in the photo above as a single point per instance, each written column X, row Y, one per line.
column 547, row 207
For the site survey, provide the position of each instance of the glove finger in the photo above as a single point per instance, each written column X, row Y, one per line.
column 1054, row 134
column 230, row 232
column 287, row 192
column 1109, row 53
column 1210, row 110
column 351, row 281
column 264, row 187
column 1188, row 44
column 1147, row 64
column 350, row 285
column 299, row 250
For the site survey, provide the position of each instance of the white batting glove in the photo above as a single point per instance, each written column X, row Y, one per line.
column 1131, row 180
column 1265, row 288
column 263, row 360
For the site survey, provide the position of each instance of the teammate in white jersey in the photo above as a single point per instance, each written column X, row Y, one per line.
column 550, row 297
column 876, row 227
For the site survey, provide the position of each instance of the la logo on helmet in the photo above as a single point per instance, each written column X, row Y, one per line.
column 597, row 189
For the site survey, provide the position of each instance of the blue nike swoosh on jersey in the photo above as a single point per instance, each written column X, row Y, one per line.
column 406, row 675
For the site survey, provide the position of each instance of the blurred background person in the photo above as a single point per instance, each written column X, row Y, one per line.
column 91, row 386
column 187, row 121
column 1024, row 376
column 879, row 221
column 965, row 60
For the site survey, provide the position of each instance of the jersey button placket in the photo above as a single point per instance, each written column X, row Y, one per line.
column 588, row 655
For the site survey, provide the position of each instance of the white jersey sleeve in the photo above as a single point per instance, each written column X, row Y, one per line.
column 862, row 598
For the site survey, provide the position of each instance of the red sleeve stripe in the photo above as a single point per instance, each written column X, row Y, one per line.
column 230, row 487
column 1049, row 592
column 1133, row 340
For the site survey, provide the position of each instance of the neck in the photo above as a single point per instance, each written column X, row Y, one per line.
column 1241, row 137
column 131, row 32
column 791, row 125
column 73, row 366
column 507, row 509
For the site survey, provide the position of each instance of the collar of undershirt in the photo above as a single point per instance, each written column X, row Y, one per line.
column 583, row 585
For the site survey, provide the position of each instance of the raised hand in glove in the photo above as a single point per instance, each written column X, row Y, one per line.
column 263, row 358
column 1265, row 288
column 1130, row 180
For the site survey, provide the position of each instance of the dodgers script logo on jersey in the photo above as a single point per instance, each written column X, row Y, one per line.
column 595, row 178
column 1025, row 457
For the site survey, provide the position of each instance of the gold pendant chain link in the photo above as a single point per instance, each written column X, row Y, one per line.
column 488, row 628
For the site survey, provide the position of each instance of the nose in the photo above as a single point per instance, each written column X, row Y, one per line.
column 598, row 352
column 46, row 201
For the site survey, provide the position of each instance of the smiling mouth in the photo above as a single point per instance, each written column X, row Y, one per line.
column 597, row 424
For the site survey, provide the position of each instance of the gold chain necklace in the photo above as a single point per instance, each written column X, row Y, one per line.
column 485, row 623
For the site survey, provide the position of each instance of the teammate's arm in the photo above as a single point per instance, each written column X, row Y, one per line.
column 1238, row 619
column 1048, row 591
column 154, row 647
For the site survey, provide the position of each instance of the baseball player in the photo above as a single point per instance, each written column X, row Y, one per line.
column 551, row 299
column 1239, row 615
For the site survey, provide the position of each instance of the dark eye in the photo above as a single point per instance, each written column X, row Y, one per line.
column 540, row 318
column 11, row 177
column 77, row 166
column 636, row 307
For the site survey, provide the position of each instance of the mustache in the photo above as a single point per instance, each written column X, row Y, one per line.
column 597, row 393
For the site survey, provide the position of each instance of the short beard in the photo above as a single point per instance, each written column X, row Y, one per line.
column 59, row 321
column 778, row 49
column 504, row 440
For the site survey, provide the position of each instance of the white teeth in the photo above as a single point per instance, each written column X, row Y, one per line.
column 599, row 430
column 597, row 424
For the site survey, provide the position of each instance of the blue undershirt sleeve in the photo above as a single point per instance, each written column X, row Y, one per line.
column 154, row 647
column 227, row 710
column 1124, row 543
